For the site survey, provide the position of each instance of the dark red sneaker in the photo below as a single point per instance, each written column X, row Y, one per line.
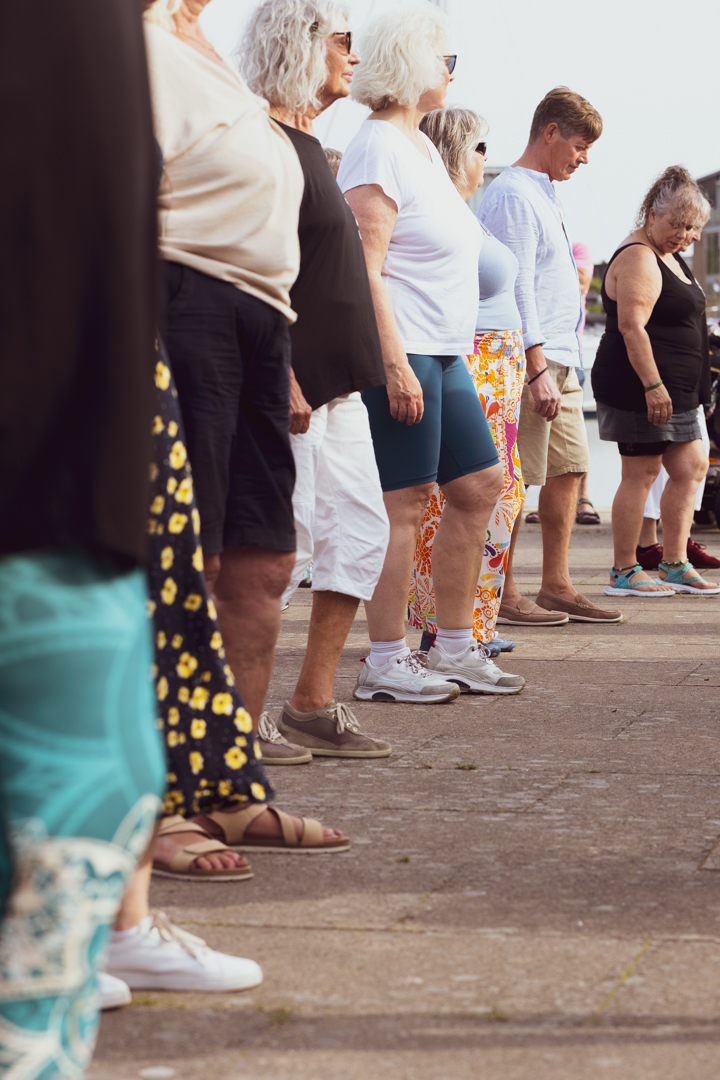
column 698, row 556
column 650, row 557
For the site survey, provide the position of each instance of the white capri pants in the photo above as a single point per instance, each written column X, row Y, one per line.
column 340, row 516
column 652, row 504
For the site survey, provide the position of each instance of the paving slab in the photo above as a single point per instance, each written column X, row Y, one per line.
column 533, row 890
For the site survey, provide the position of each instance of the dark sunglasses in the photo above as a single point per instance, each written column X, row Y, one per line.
column 346, row 37
column 481, row 148
column 451, row 61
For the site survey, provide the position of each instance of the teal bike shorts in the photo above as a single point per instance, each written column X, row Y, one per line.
column 452, row 439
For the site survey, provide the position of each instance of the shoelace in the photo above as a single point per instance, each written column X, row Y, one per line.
column 267, row 729
column 480, row 647
column 169, row 932
column 416, row 661
column 343, row 718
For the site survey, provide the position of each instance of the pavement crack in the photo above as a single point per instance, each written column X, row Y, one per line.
column 624, row 976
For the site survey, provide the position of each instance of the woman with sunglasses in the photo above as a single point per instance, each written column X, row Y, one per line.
column 421, row 247
column 497, row 367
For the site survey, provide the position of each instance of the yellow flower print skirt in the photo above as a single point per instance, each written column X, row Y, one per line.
column 498, row 371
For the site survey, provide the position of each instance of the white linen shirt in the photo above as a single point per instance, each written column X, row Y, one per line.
column 522, row 210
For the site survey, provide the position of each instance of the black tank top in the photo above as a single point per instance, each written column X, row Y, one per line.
column 678, row 337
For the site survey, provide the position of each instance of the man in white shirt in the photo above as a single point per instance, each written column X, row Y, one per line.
column 523, row 211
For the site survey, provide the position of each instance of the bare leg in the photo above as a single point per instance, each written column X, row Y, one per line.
column 386, row 612
column 686, row 464
column 582, row 487
column 511, row 594
column 248, row 583
column 459, row 544
column 557, row 507
column 638, row 475
column 648, row 532
column 330, row 621
column 135, row 906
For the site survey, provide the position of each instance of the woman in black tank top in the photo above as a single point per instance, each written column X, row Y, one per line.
column 649, row 377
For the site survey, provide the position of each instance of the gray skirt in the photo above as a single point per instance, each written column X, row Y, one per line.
column 618, row 425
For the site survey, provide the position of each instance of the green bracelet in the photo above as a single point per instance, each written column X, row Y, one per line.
column 653, row 387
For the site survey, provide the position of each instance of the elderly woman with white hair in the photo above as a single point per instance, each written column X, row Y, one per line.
column 497, row 367
column 650, row 375
column 421, row 247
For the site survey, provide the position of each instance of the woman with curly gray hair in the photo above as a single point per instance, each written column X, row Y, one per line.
column 649, row 377
column 298, row 55
column 421, row 246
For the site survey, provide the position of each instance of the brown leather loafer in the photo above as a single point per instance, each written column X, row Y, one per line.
column 529, row 614
column 581, row 610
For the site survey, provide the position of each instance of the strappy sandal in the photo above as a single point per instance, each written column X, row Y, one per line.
column 533, row 518
column 181, row 866
column 586, row 517
column 624, row 587
column 234, row 827
column 676, row 579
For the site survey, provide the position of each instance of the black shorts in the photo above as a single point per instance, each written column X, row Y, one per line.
column 230, row 355
column 642, row 449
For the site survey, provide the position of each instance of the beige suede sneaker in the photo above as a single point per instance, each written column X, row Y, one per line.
column 332, row 731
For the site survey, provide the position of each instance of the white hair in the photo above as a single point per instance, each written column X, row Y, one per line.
column 161, row 12
column 401, row 55
column 456, row 132
column 282, row 54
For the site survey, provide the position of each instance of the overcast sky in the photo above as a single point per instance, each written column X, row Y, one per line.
column 650, row 67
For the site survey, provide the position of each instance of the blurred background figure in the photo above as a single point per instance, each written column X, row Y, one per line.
column 334, row 157
column 81, row 767
column 585, row 268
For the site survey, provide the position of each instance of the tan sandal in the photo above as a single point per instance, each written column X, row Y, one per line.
column 312, row 840
column 181, row 866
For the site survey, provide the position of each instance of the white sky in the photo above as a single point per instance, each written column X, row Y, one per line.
column 650, row 67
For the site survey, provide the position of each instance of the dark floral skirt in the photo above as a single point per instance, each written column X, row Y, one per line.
column 213, row 757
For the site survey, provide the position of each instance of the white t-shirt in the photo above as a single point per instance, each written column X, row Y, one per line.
column 230, row 194
column 431, row 265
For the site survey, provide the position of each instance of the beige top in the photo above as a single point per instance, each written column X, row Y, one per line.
column 230, row 195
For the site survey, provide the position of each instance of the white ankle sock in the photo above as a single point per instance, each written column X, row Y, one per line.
column 454, row 641
column 381, row 651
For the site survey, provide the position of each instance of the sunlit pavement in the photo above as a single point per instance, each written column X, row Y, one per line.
column 533, row 891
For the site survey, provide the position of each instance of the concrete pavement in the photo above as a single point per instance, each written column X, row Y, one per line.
column 533, row 890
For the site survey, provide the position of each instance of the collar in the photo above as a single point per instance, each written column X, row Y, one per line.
column 540, row 178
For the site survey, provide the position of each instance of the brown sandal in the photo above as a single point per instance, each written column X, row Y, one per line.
column 312, row 840
column 181, row 866
column 586, row 517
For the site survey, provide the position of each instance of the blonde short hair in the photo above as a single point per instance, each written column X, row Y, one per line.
column 455, row 131
column 401, row 56
column 571, row 112
column 282, row 53
column 161, row 12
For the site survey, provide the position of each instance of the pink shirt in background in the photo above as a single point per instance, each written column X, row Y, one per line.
column 583, row 258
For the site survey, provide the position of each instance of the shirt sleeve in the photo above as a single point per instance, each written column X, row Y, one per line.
column 511, row 220
column 372, row 161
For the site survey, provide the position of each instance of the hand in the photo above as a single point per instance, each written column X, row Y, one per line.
column 300, row 411
column 546, row 396
column 405, row 396
column 659, row 405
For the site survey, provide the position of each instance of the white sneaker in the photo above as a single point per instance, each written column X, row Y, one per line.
column 404, row 677
column 155, row 955
column 473, row 670
column 113, row 992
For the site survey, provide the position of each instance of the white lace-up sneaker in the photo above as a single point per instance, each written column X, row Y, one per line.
column 473, row 670
column 113, row 992
column 405, row 677
column 156, row 955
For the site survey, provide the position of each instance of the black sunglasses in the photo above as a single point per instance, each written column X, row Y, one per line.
column 451, row 61
column 346, row 36
column 481, row 148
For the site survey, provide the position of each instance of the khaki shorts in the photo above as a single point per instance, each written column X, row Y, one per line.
column 561, row 446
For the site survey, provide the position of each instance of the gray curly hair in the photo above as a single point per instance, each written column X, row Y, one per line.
column 282, row 52
column 676, row 189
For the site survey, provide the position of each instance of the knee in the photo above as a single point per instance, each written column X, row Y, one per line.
column 258, row 571
column 473, row 494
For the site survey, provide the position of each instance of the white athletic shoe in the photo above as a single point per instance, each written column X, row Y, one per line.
column 113, row 992
column 473, row 670
column 405, row 677
column 155, row 955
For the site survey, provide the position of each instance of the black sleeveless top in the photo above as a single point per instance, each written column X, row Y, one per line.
column 678, row 336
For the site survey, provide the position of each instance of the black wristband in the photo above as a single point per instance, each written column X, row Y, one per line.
column 537, row 376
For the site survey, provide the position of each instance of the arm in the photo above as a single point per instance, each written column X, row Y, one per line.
column 300, row 411
column 513, row 222
column 376, row 215
column 638, row 284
